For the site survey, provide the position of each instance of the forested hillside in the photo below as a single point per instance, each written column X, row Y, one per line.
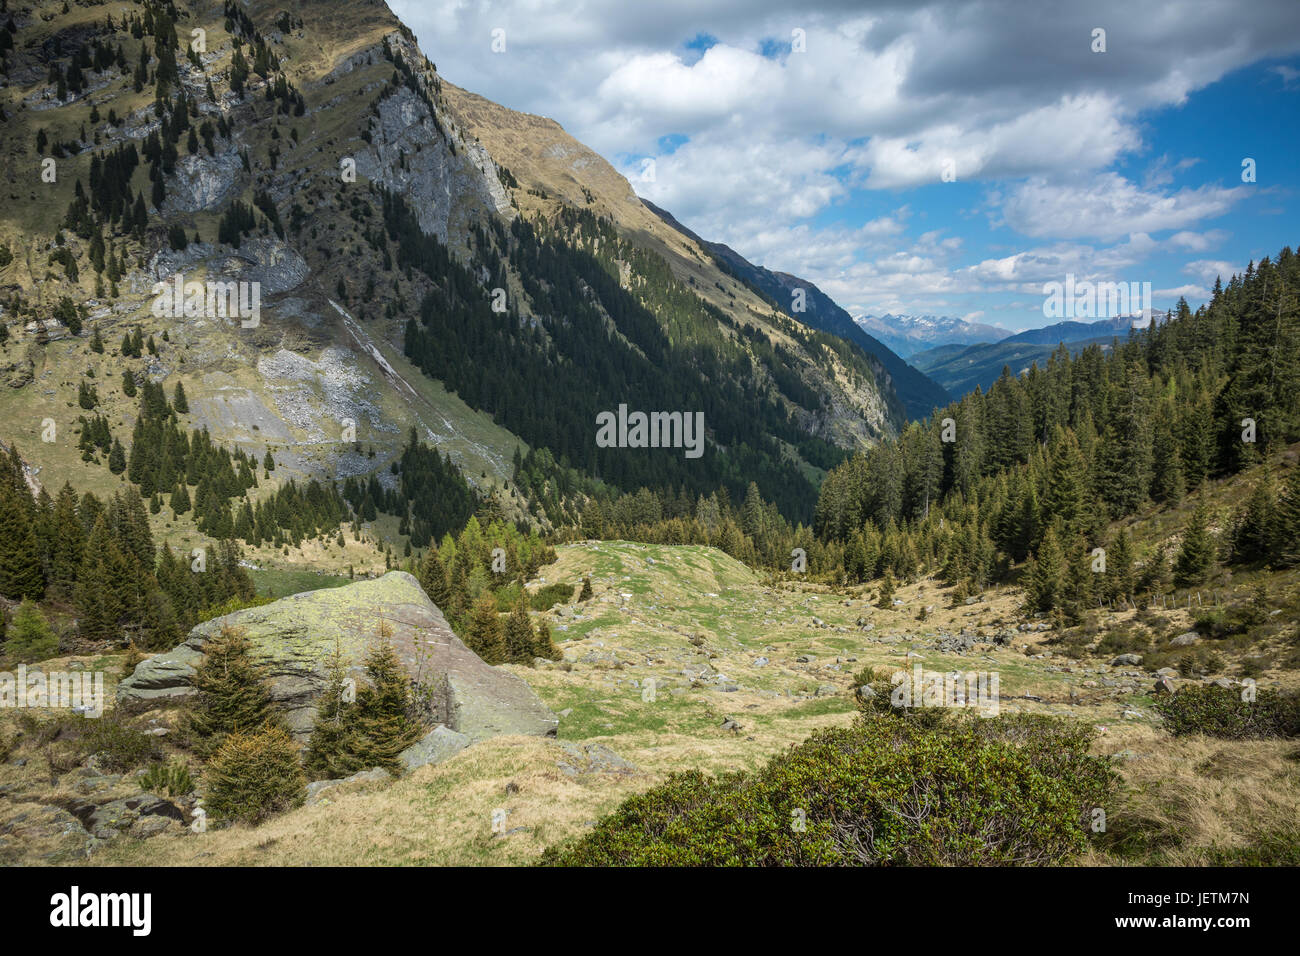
column 1036, row 468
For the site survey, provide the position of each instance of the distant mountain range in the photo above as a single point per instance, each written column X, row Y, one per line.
column 960, row 355
column 909, row 334
column 918, row 393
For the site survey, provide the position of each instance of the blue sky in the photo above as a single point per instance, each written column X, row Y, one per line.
column 815, row 141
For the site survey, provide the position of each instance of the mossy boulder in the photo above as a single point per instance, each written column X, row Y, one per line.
column 294, row 637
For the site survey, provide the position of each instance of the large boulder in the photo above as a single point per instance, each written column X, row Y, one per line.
column 295, row 637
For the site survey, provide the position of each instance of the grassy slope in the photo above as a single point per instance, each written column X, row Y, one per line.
column 670, row 612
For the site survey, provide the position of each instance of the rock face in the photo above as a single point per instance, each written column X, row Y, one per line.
column 294, row 638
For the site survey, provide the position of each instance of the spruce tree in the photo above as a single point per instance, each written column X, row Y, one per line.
column 384, row 718
column 254, row 774
column 233, row 696
column 336, row 746
column 545, row 645
column 585, row 593
column 433, row 578
column 117, row 458
column 1196, row 556
column 1285, row 536
column 484, row 635
column 519, row 636
column 68, row 547
column 1045, row 575
column 29, row 638
column 20, row 554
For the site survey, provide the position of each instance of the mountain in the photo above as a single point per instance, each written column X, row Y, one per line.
column 1071, row 331
column 919, row 394
column 909, row 334
column 429, row 267
column 963, row 367
column 960, row 369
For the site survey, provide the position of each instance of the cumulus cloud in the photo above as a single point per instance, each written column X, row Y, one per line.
column 767, row 143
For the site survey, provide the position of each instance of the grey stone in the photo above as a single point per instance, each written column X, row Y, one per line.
column 294, row 638
column 1126, row 660
column 438, row 745
column 316, row 788
column 591, row 758
column 1186, row 640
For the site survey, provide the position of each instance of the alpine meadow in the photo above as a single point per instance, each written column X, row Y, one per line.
column 879, row 447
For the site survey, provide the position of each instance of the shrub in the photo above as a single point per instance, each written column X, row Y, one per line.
column 232, row 691
column 252, row 776
column 29, row 638
column 1220, row 712
column 551, row 595
column 121, row 746
column 172, row 778
column 371, row 732
column 1012, row 790
column 880, row 700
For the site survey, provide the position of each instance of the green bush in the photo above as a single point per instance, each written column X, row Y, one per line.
column 551, row 595
column 252, row 776
column 233, row 695
column 1013, row 790
column 1220, row 712
column 882, row 684
column 29, row 638
column 172, row 778
column 123, row 747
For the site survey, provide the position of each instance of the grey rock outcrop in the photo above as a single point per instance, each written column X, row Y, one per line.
column 294, row 637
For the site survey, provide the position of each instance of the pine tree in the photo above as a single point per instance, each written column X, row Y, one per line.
column 1196, row 556
column 519, row 635
column 585, row 593
column 484, row 634
column 179, row 402
column 545, row 645
column 233, row 696
column 1045, row 575
column 384, row 718
column 336, row 746
column 29, row 638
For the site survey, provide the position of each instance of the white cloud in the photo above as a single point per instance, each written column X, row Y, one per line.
column 1108, row 206
column 884, row 95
